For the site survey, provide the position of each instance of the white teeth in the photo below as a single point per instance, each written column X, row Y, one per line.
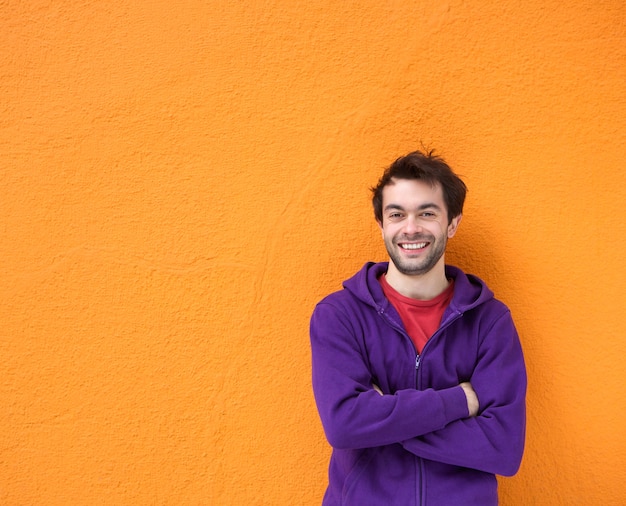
column 419, row 245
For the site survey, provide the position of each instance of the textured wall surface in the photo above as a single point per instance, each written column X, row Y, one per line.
column 182, row 181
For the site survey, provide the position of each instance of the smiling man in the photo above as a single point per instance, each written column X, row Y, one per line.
column 418, row 372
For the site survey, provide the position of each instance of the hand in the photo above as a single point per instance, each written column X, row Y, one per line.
column 377, row 388
column 472, row 398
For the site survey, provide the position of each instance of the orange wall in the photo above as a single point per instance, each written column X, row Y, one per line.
column 182, row 181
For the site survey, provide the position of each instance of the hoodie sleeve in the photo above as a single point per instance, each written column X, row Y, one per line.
column 493, row 441
column 353, row 414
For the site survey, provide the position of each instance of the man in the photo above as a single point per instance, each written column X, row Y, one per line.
column 418, row 372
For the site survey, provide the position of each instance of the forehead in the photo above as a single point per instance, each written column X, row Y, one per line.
column 412, row 193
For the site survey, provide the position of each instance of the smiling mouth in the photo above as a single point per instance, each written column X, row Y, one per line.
column 413, row 246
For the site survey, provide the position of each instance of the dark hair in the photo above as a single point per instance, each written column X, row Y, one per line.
column 426, row 167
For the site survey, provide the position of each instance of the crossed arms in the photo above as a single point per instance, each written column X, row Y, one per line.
column 478, row 423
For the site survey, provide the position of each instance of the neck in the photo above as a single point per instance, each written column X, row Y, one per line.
column 420, row 286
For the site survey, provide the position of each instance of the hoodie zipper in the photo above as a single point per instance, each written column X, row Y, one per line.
column 401, row 329
column 449, row 321
column 418, row 356
column 418, row 360
column 420, row 462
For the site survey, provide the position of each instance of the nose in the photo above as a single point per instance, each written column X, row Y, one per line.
column 412, row 226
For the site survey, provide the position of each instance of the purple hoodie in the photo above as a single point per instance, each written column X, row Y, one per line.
column 416, row 445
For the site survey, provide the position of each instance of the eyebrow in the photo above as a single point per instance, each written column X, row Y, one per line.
column 427, row 205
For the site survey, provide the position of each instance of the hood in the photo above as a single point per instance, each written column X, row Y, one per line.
column 469, row 290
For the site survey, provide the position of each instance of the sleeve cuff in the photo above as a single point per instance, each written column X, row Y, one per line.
column 454, row 403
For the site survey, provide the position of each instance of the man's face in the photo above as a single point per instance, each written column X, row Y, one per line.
column 415, row 225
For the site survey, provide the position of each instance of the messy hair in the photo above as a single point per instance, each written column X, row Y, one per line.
column 427, row 167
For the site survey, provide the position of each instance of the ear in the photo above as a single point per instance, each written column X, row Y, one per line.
column 454, row 225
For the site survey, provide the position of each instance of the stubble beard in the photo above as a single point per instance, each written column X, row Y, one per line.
column 416, row 267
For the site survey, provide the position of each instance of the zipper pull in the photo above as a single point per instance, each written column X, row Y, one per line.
column 417, row 362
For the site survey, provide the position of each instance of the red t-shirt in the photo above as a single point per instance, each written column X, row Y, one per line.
column 421, row 318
